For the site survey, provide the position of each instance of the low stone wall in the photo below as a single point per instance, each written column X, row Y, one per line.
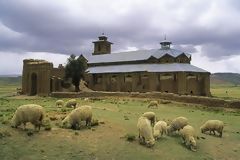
column 207, row 101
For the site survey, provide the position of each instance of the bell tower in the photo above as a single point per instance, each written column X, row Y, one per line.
column 102, row 46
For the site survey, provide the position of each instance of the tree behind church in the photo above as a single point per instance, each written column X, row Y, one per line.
column 75, row 69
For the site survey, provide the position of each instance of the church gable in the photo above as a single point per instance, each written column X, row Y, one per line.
column 167, row 59
column 182, row 58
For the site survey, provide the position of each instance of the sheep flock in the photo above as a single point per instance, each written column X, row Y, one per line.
column 150, row 130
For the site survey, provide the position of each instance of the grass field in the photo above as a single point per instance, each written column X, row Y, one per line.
column 226, row 91
column 107, row 141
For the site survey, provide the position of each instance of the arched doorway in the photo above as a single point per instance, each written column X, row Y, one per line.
column 33, row 84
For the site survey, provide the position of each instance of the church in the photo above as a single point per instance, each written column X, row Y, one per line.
column 160, row 70
column 156, row 70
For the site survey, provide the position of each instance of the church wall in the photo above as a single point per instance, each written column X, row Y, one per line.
column 177, row 82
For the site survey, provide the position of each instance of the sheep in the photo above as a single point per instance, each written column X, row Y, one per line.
column 159, row 128
column 145, row 132
column 71, row 103
column 86, row 99
column 59, row 103
column 212, row 126
column 28, row 113
column 73, row 119
column 177, row 124
column 153, row 104
column 151, row 116
column 188, row 136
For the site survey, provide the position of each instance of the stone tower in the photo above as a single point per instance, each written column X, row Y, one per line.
column 102, row 46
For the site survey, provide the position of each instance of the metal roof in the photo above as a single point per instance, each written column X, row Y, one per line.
column 167, row 67
column 134, row 55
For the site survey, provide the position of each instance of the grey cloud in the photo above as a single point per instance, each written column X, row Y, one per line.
column 50, row 26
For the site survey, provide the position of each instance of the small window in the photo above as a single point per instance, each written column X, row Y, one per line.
column 97, row 79
column 128, row 78
column 114, row 78
column 99, row 48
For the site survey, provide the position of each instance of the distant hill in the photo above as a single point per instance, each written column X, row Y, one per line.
column 225, row 79
column 10, row 80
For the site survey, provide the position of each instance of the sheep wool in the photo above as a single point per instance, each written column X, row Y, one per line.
column 177, row 124
column 151, row 116
column 145, row 132
column 59, row 103
column 153, row 104
column 188, row 136
column 28, row 113
column 73, row 119
column 212, row 126
column 159, row 129
column 72, row 103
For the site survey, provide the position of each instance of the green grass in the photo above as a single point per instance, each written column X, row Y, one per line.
column 107, row 140
column 9, row 85
column 226, row 91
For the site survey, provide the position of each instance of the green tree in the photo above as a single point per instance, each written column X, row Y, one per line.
column 75, row 69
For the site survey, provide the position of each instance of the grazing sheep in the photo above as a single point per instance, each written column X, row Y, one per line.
column 28, row 113
column 59, row 103
column 188, row 135
column 145, row 132
column 159, row 129
column 151, row 116
column 153, row 104
column 73, row 119
column 212, row 126
column 86, row 99
column 71, row 103
column 177, row 124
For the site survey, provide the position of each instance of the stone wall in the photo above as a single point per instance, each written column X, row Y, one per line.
column 206, row 101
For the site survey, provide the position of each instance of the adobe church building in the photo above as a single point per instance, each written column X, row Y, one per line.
column 160, row 70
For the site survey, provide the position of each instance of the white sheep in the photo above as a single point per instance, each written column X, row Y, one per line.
column 71, row 103
column 188, row 136
column 145, row 132
column 28, row 113
column 59, row 103
column 177, row 124
column 159, row 129
column 153, row 104
column 212, row 126
column 151, row 116
column 74, row 118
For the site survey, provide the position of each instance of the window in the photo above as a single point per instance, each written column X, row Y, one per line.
column 114, row 78
column 166, row 76
column 128, row 78
column 97, row 79
column 99, row 47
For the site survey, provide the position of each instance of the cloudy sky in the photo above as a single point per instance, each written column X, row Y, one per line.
column 53, row 29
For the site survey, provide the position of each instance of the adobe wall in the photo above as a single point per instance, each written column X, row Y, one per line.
column 177, row 82
column 206, row 101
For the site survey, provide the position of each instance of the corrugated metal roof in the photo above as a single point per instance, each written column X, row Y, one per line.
column 134, row 55
column 167, row 67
